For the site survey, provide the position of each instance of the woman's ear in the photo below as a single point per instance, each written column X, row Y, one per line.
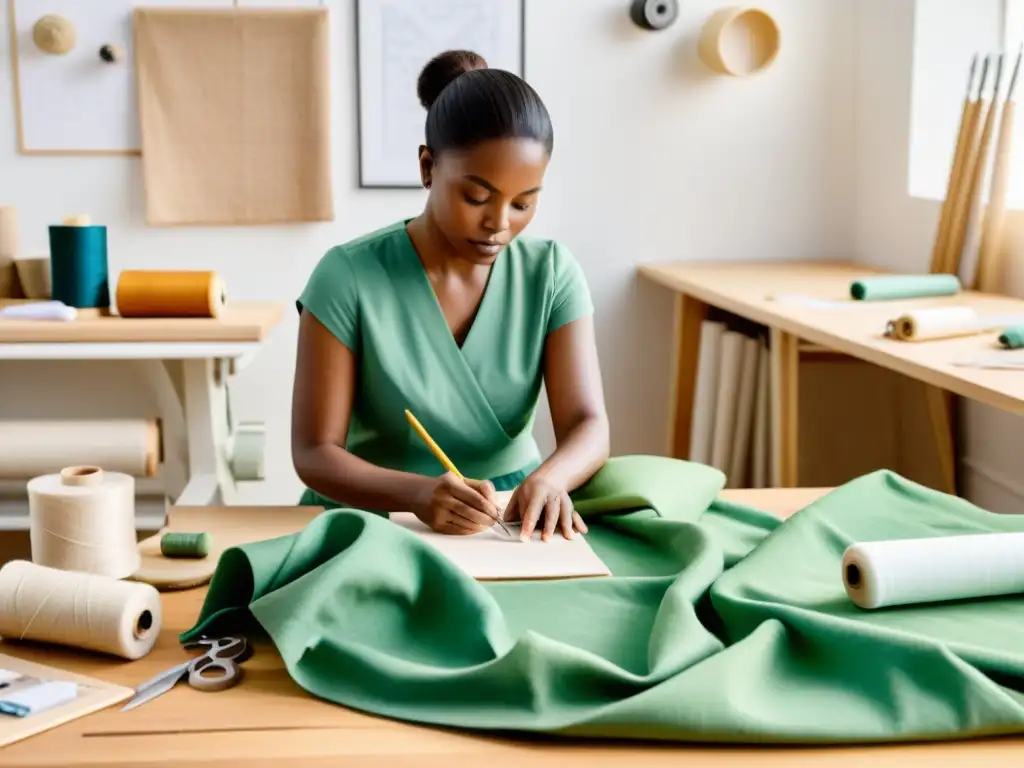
column 426, row 166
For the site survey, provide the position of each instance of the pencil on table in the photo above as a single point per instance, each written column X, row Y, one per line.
column 445, row 461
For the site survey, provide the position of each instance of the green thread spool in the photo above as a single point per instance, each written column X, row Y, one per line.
column 78, row 266
column 195, row 545
column 888, row 287
column 1012, row 337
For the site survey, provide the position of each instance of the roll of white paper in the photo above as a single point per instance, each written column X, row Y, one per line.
column 937, row 323
column 878, row 574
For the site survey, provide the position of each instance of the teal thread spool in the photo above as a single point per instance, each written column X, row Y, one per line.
column 889, row 287
column 78, row 266
column 193, row 545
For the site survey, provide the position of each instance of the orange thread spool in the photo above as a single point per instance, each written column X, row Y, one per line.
column 171, row 293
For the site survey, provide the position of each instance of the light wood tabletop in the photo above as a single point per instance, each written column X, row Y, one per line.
column 747, row 289
column 807, row 308
column 243, row 321
column 269, row 719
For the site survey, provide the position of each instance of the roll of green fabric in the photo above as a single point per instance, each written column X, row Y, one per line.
column 887, row 287
column 721, row 623
column 1012, row 337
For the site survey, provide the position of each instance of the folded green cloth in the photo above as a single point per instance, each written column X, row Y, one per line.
column 889, row 287
column 720, row 624
column 1012, row 337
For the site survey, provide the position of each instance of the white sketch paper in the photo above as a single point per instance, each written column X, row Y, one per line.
column 396, row 38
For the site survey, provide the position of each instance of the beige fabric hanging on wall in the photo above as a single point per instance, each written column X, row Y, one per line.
column 234, row 111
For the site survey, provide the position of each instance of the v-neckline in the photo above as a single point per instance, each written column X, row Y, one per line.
column 437, row 312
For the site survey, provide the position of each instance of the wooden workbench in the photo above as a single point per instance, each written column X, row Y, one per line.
column 268, row 720
column 184, row 362
column 746, row 289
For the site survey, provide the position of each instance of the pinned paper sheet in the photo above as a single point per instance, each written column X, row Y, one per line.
column 493, row 556
column 234, row 112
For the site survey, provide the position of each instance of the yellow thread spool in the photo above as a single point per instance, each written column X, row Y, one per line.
column 155, row 293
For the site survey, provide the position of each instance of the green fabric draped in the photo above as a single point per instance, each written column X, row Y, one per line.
column 720, row 624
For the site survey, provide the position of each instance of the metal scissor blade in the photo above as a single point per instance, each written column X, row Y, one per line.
column 157, row 686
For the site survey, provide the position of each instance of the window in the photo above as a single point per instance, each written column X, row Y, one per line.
column 947, row 34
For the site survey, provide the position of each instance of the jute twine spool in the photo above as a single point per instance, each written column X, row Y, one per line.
column 54, row 34
column 83, row 519
column 78, row 610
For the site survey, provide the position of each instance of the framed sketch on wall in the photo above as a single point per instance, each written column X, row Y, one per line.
column 394, row 40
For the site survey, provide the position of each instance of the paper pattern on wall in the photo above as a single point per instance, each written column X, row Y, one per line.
column 396, row 39
column 234, row 111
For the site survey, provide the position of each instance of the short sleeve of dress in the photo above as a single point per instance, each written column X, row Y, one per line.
column 331, row 296
column 571, row 298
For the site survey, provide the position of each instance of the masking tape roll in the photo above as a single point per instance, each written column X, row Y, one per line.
column 935, row 323
column 878, row 574
column 78, row 610
column 33, row 447
column 154, row 293
column 654, row 15
column 739, row 41
column 83, row 519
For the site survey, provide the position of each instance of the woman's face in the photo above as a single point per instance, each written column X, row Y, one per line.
column 484, row 197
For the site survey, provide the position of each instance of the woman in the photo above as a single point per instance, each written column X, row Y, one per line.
column 457, row 317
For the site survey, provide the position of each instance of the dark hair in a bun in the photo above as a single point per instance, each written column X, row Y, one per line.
column 468, row 103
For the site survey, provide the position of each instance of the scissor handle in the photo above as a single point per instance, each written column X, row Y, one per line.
column 222, row 647
column 225, row 673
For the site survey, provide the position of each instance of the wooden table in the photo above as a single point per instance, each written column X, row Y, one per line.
column 268, row 720
column 746, row 289
column 186, row 363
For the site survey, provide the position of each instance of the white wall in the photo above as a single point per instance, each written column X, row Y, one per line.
column 654, row 161
column 896, row 230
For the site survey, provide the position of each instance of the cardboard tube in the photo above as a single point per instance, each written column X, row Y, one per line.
column 739, row 41
column 32, row 447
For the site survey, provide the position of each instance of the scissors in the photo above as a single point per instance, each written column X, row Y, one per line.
column 222, row 657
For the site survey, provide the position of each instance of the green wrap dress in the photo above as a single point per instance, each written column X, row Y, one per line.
column 478, row 400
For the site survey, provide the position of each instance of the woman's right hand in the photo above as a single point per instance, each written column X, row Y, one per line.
column 459, row 507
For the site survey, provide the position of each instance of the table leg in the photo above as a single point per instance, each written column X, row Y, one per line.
column 689, row 314
column 173, row 430
column 785, row 374
column 205, row 391
column 940, row 412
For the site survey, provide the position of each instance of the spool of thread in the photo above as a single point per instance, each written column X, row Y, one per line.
column 54, row 34
column 10, row 244
column 887, row 287
column 83, row 519
column 78, row 610
column 186, row 545
column 654, row 15
column 33, row 447
column 935, row 323
column 738, row 41
column 34, row 276
column 880, row 574
column 78, row 266
column 1012, row 337
column 111, row 54
column 156, row 293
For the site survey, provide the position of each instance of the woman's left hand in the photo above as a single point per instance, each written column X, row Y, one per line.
column 539, row 502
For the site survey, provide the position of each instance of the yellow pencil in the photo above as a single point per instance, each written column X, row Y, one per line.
column 445, row 461
column 434, row 447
